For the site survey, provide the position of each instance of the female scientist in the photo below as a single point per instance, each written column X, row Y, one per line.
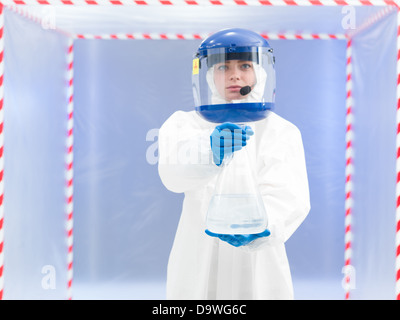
column 233, row 82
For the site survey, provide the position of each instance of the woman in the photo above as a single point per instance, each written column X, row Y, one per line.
column 233, row 82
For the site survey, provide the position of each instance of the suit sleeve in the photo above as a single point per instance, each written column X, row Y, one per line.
column 185, row 158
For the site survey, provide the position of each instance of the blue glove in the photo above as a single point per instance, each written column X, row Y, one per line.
column 238, row 240
column 228, row 138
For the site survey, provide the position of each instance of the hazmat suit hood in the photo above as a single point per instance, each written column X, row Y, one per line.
column 256, row 94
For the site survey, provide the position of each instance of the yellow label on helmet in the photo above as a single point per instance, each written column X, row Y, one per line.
column 196, row 66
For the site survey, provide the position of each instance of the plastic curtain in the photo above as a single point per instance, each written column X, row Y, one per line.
column 375, row 126
column 35, row 132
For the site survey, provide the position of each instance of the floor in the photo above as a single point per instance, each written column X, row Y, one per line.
column 303, row 289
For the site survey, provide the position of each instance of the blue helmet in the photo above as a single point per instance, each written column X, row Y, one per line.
column 234, row 43
column 234, row 76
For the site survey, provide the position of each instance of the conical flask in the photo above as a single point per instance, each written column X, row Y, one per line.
column 236, row 206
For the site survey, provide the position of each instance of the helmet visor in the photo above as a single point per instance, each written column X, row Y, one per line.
column 234, row 78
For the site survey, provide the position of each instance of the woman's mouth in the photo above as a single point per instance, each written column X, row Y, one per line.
column 234, row 88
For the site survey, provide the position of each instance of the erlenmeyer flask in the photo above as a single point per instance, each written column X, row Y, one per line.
column 236, row 206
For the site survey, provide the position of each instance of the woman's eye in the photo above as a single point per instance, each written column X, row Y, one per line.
column 246, row 66
column 223, row 68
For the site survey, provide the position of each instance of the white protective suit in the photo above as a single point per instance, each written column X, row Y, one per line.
column 204, row 267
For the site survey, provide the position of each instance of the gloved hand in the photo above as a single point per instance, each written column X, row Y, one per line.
column 228, row 138
column 238, row 240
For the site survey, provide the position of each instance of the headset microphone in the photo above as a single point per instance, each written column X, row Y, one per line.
column 245, row 90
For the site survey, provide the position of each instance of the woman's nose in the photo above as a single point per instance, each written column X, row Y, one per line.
column 234, row 75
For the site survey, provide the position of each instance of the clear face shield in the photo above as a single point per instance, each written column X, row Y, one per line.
column 235, row 84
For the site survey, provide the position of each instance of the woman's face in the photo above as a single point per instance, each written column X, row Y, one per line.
column 231, row 75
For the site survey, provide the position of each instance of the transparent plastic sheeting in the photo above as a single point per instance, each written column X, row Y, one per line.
column 35, row 265
column 124, row 218
column 199, row 19
column 375, row 130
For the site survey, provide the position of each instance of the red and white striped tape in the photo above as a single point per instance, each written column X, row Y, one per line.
column 143, row 36
column 22, row 11
column 199, row 36
column 69, row 167
column 35, row 17
column 1, row 153
column 371, row 20
column 208, row 2
column 398, row 164
column 174, row 36
column 348, row 172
